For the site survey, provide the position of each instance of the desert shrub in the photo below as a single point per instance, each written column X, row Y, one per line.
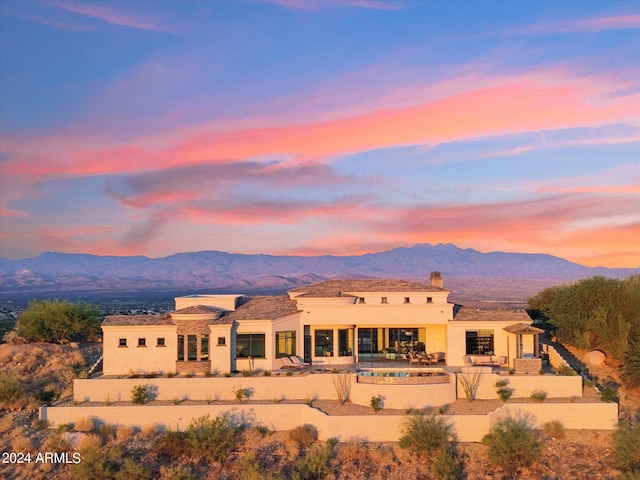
column 512, row 444
column 538, row 396
column 107, row 432
column 212, row 439
column 6, row 423
column 503, row 390
column 21, row 444
column 314, row 465
column 84, row 424
column 554, row 428
column 139, row 395
column 124, row 432
column 171, row 445
column 176, row 473
column 241, row 394
column 609, row 394
column 263, row 430
column 447, row 465
column 631, row 365
column 426, row 434
column 567, row 371
column 46, row 396
column 58, row 321
column 304, row 435
column 342, row 384
column 247, row 373
column 626, row 445
column 91, row 440
column 97, row 464
column 132, row 470
column 471, row 379
column 148, row 432
column 376, row 403
column 266, row 373
column 10, row 389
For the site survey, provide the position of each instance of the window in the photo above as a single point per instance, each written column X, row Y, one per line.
column 204, row 347
column 222, row 341
column 407, row 300
column 122, row 342
column 192, row 348
column 345, row 342
column 160, row 342
column 285, row 343
column 324, row 343
column 142, row 342
column 384, row 300
column 429, row 299
column 361, row 300
column 181, row 348
column 479, row 342
column 250, row 345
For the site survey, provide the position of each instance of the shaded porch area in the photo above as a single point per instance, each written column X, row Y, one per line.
column 402, row 345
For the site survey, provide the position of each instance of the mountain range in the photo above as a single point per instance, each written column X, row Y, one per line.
column 60, row 273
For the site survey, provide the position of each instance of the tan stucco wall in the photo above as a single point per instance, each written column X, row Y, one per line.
column 469, row 428
column 503, row 342
column 122, row 360
column 523, row 385
column 227, row 302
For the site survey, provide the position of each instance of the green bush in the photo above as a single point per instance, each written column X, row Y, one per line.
column 503, row 390
column 304, row 435
column 554, row 428
column 314, row 465
column 626, row 445
column 171, row 446
column 538, row 395
column 98, row 464
column 567, row 371
column 512, row 444
column 139, row 395
column 631, row 365
column 212, row 439
column 58, row 321
column 132, row 470
column 447, row 465
column 376, row 403
column 10, row 389
column 426, row 434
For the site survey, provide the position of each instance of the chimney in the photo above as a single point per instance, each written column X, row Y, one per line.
column 436, row 279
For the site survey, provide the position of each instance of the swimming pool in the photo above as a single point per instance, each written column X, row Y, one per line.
column 406, row 376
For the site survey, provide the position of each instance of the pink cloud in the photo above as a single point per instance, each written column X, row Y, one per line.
column 317, row 4
column 586, row 25
column 112, row 16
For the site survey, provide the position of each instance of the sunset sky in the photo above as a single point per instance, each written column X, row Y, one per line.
column 320, row 127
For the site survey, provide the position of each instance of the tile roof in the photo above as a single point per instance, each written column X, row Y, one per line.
column 199, row 309
column 469, row 314
column 334, row 288
column 264, row 308
column 137, row 320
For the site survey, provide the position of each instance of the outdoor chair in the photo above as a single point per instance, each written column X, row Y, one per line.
column 288, row 363
column 297, row 362
column 413, row 359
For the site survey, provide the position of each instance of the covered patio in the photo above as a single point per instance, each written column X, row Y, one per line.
column 527, row 347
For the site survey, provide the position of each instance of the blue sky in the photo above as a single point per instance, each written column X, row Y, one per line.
column 315, row 127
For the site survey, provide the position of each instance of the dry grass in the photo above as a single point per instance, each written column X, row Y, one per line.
column 22, row 444
column 84, row 425
column 148, row 432
column 125, row 432
column 6, row 423
column 90, row 440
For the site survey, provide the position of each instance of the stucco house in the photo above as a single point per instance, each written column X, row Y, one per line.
column 337, row 322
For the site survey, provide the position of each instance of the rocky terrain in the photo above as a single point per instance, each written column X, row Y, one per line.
column 258, row 453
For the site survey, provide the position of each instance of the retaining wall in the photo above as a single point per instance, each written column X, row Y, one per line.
column 469, row 428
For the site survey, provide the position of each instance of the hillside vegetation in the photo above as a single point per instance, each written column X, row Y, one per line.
column 597, row 313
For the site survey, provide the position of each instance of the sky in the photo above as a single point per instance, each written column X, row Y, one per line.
column 320, row 127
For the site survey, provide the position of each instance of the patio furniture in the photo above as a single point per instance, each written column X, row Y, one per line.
column 413, row 359
column 297, row 362
column 288, row 363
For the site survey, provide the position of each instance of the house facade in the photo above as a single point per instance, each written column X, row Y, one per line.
column 332, row 323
